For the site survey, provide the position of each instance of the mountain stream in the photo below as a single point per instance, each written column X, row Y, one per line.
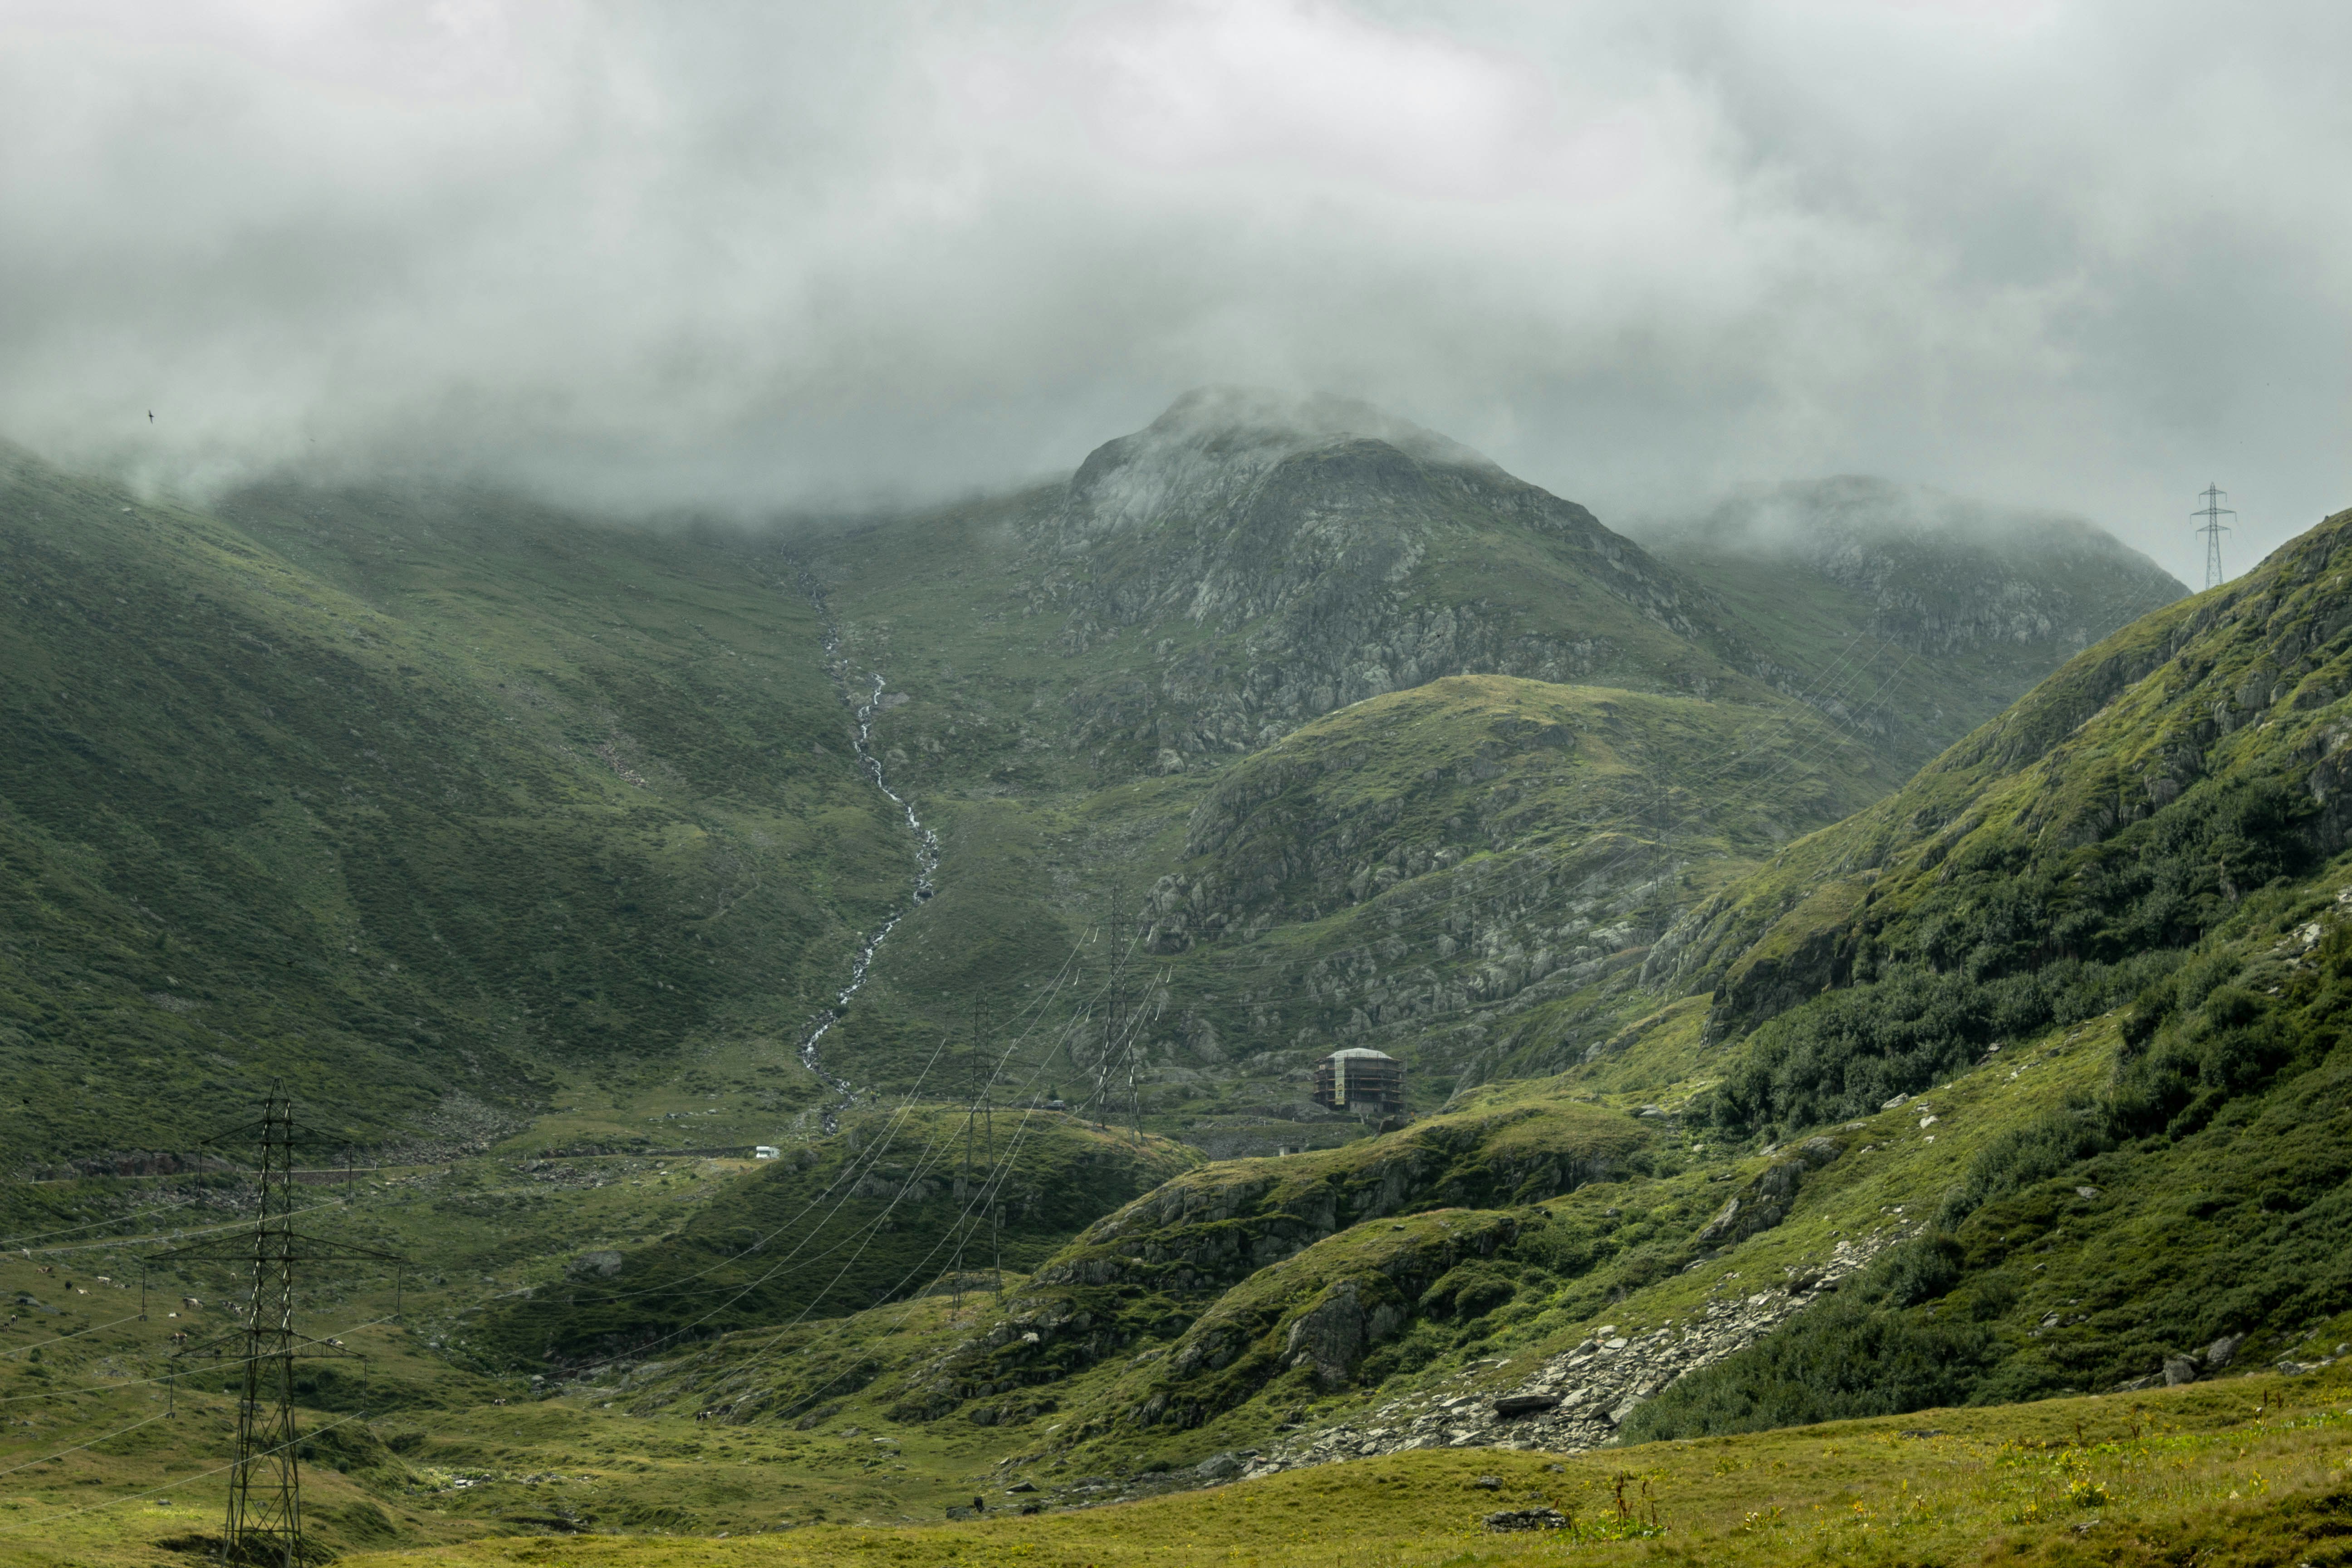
column 927, row 863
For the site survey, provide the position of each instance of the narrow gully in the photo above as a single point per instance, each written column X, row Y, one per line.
column 927, row 863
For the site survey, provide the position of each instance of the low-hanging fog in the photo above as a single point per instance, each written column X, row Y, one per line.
column 775, row 255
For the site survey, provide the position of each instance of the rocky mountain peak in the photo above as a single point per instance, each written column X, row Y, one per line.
column 1209, row 452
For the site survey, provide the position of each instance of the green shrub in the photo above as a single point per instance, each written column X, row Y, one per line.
column 2006, row 944
column 1852, row 1356
column 1922, row 1270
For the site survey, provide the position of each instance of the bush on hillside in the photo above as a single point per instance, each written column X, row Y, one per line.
column 2004, row 946
column 2264, row 1245
column 1846, row 1053
column 1858, row 1354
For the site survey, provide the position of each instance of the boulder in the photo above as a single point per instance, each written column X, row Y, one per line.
column 2179, row 1369
column 1218, row 1467
column 2223, row 1351
column 1528, row 1519
column 1511, row 1405
column 1332, row 1335
column 1819, row 1151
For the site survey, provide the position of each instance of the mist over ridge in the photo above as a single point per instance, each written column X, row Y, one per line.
column 800, row 257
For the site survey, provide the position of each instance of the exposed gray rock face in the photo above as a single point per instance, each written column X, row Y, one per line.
column 1310, row 525
column 1332, row 1335
column 1590, row 1390
column 1765, row 1201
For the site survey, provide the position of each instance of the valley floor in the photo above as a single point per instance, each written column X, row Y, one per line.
column 2245, row 1470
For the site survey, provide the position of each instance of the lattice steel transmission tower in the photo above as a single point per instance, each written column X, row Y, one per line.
column 2213, row 529
column 263, row 1524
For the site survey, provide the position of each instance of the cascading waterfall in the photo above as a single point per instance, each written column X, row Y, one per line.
column 927, row 863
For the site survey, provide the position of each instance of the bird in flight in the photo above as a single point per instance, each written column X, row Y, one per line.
column 150, row 416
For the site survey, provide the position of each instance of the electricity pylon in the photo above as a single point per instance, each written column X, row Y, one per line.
column 2213, row 529
column 264, row 1526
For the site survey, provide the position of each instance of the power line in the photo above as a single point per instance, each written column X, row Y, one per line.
column 94, row 1328
column 158, row 1491
column 154, row 1237
column 2213, row 512
column 92, row 1225
column 1000, row 1170
column 93, row 1443
column 264, row 1522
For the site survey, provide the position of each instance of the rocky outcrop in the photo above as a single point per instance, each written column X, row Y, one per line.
column 1331, row 1336
column 1765, row 1201
column 1211, row 1228
column 1205, row 1233
column 1322, row 1312
column 1576, row 1400
column 2192, row 1366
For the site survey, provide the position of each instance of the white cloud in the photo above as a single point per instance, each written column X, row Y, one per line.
column 2079, row 255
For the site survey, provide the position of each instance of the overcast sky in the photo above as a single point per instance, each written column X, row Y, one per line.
column 2087, row 255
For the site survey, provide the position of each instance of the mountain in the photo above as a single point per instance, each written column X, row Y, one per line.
column 1360, row 741
column 1288, row 722
column 441, row 811
column 1753, row 1084
column 1971, row 602
column 2148, row 856
column 2026, row 1080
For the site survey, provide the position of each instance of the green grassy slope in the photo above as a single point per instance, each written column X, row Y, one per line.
column 2247, row 1475
column 2128, row 805
column 440, row 805
column 896, row 1200
column 1203, row 1246
column 2242, row 1471
column 2150, row 847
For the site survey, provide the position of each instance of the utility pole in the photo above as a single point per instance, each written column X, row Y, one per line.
column 264, row 1525
column 1115, row 1015
column 964, row 1193
column 2213, row 529
column 982, row 1045
column 265, row 1488
column 1135, row 1060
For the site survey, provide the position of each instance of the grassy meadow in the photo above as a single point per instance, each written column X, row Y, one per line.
column 2248, row 1470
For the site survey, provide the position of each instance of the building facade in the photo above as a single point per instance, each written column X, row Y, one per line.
column 1367, row 1083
